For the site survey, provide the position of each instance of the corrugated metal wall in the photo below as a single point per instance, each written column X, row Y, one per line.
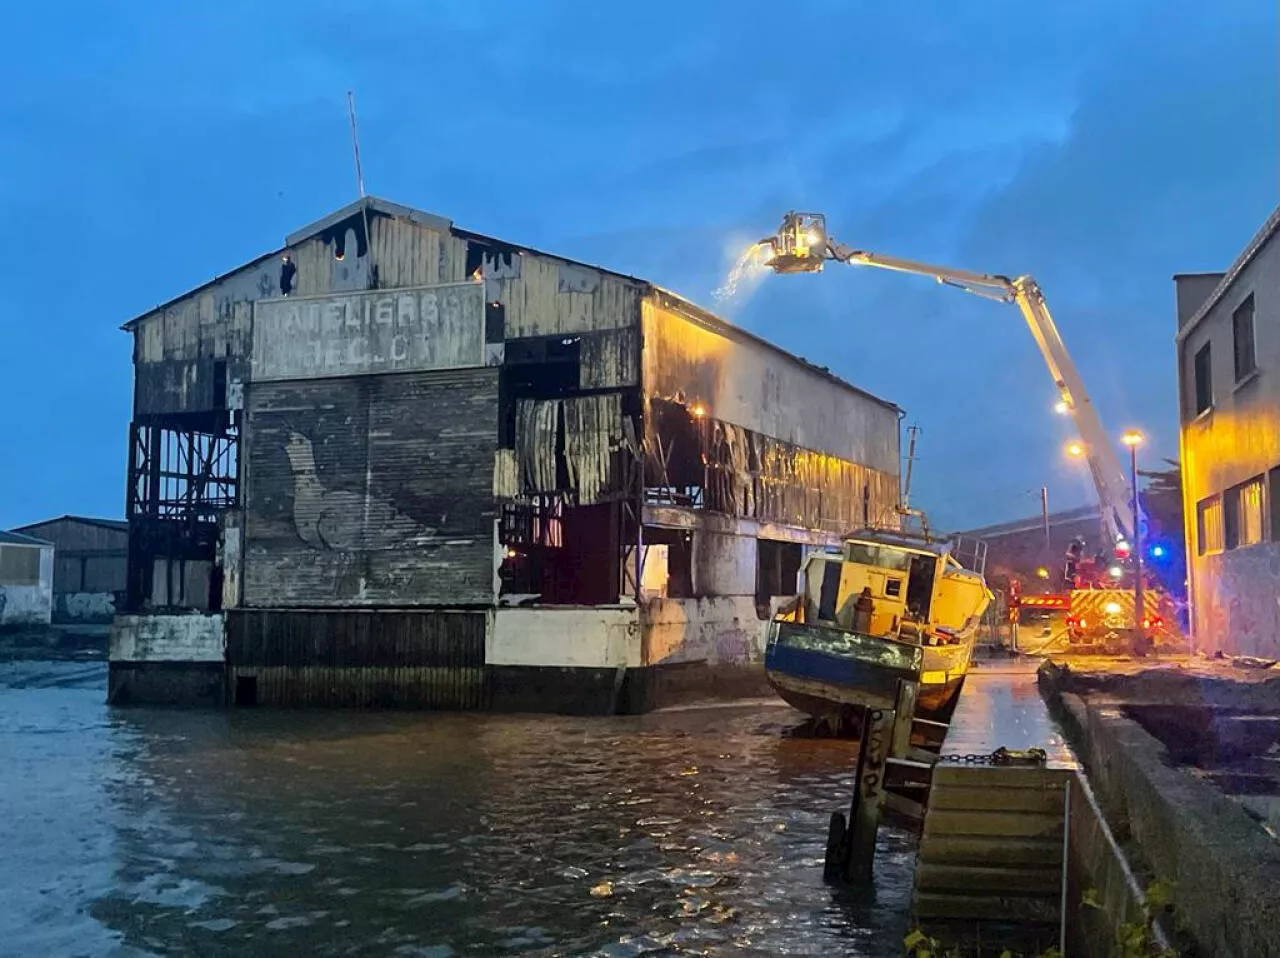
column 373, row 490
column 402, row 659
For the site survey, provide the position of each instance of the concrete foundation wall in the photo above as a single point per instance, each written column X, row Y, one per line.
column 168, row 638
column 564, row 638
column 1223, row 865
column 713, row 630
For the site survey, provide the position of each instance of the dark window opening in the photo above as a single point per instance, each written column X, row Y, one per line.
column 560, row 554
column 893, row 588
column 679, row 543
column 495, row 322
column 219, row 384
column 246, row 690
column 920, row 586
column 675, row 471
column 287, row 273
column 542, row 368
column 830, row 590
column 475, row 258
column 1231, row 518
column 502, row 257
column 336, row 235
column 777, row 566
column 1242, row 336
column 1203, row 380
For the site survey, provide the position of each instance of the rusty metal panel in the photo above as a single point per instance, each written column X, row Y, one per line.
column 374, row 490
column 408, row 659
column 380, row 331
column 610, row 359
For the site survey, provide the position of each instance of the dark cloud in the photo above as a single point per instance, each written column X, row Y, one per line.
column 1101, row 146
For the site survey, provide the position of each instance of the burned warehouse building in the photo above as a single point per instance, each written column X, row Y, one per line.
column 400, row 463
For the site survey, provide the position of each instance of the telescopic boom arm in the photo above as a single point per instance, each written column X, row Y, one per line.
column 803, row 246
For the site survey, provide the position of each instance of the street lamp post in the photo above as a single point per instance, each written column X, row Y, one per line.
column 1133, row 439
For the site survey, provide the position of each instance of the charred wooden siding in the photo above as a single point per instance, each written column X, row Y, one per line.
column 393, row 659
column 735, row 426
column 693, row 358
column 542, row 295
column 373, row 490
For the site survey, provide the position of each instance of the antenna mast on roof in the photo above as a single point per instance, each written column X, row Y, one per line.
column 364, row 203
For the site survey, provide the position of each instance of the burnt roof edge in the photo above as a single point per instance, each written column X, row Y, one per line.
column 691, row 311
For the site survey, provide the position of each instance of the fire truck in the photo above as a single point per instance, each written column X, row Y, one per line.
column 1097, row 606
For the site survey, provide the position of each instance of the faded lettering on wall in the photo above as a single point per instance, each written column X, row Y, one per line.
column 351, row 334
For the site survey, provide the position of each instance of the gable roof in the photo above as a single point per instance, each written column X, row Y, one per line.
column 378, row 206
column 18, row 539
column 119, row 525
column 1260, row 239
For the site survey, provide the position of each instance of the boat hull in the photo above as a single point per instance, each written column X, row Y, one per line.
column 831, row 673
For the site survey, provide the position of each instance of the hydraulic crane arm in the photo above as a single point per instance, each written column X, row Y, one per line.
column 803, row 246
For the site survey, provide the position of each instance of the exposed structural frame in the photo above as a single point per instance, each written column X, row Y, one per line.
column 183, row 475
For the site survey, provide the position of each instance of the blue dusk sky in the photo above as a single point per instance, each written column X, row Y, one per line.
column 1100, row 146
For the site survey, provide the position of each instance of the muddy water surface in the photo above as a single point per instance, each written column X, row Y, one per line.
column 147, row 831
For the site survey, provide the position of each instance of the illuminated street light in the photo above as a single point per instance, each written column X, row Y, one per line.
column 1133, row 439
column 1075, row 449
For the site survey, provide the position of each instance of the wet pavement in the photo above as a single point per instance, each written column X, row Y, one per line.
column 1001, row 707
column 147, row 831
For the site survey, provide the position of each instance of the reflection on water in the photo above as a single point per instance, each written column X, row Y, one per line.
column 260, row 832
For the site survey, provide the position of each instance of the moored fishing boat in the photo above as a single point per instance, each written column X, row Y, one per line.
column 889, row 607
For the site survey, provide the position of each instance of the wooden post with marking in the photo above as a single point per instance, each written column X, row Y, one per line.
column 851, row 848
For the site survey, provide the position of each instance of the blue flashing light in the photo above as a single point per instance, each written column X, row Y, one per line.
column 1157, row 552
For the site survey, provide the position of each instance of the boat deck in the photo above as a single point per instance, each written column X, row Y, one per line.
column 1001, row 706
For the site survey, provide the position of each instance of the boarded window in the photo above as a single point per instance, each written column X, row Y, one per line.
column 1242, row 333
column 1242, row 514
column 19, row 565
column 1203, row 380
column 1209, row 538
